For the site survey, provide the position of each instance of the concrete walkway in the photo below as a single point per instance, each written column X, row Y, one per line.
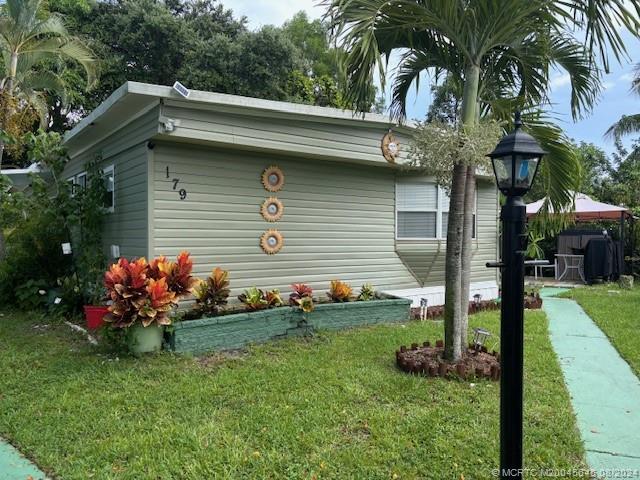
column 13, row 466
column 605, row 392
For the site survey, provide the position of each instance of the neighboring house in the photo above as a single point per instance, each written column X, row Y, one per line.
column 188, row 174
column 21, row 177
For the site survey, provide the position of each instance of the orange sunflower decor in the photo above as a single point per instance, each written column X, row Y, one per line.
column 147, row 292
column 272, row 209
column 271, row 241
column 272, row 178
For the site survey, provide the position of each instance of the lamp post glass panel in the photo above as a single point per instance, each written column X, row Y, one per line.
column 515, row 161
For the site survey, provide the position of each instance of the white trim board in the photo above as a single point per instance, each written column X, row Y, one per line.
column 435, row 295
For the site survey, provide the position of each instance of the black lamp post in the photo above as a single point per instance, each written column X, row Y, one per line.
column 515, row 162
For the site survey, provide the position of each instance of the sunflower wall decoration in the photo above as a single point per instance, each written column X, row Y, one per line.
column 390, row 147
column 273, row 178
column 272, row 209
column 271, row 241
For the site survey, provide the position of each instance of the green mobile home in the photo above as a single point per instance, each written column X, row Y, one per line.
column 274, row 192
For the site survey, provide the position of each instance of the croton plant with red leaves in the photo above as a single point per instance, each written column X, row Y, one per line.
column 146, row 292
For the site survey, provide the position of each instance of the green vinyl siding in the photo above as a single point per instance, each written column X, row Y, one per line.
column 272, row 131
column 125, row 149
column 426, row 259
column 338, row 220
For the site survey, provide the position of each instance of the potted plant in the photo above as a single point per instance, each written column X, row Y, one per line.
column 143, row 296
column 95, row 309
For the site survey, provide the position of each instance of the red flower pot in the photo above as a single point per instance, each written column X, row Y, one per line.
column 94, row 315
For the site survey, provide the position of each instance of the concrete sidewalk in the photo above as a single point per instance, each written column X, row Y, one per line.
column 13, row 466
column 605, row 393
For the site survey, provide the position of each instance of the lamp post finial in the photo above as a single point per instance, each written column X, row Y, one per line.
column 518, row 120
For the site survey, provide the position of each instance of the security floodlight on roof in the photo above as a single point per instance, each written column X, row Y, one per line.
column 181, row 89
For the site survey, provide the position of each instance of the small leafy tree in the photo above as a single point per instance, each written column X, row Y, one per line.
column 51, row 213
column 436, row 147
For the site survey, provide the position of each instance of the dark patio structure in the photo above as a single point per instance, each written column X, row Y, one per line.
column 587, row 254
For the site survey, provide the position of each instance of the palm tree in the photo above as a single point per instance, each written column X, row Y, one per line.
column 628, row 124
column 500, row 52
column 32, row 41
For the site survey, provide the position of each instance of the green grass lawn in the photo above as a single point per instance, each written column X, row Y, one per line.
column 331, row 407
column 617, row 313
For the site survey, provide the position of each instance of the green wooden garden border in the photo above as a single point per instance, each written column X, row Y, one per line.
column 237, row 330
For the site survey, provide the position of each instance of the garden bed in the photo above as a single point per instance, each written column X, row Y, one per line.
column 237, row 330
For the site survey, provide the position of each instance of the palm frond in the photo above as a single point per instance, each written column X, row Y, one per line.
column 68, row 48
column 627, row 125
column 572, row 57
column 635, row 83
column 440, row 57
column 560, row 168
column 52, row 25
column 601, row 22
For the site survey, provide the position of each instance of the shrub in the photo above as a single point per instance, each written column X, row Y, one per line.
column 306, row 304
column 255, row 299
column 340, row 291
column 37, row 224
column 212, row 294
column 302, row 297
column 146, row 292
column 31, row 295
column 367, row 292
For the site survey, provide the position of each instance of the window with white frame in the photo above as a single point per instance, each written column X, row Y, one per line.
column 109, row 183
column 78, row 182
column 422, row 210
column 81, row 181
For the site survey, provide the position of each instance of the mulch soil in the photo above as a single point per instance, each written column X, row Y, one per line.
column 428, row 360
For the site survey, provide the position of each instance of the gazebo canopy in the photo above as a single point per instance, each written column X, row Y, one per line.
column 586, row 208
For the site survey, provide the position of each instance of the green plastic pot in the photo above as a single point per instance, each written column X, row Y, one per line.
column 145, row 339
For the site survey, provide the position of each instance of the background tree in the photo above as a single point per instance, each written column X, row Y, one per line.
column 32, row 40
column 501, row 53
column 205, row 46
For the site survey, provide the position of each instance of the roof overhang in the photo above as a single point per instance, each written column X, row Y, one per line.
column 21, row 177
column 133, row 99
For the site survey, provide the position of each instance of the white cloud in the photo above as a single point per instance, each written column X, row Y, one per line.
column 272, row 12
column 606, row 85
column 626, row 77
column 560, row 80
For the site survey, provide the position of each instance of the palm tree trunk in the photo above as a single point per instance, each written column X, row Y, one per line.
column 453, row 264
column 455, row 228
column 467, row 248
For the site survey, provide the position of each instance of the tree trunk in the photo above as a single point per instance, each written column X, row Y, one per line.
column 453, row 262
column 467, row 249
column 453, row 270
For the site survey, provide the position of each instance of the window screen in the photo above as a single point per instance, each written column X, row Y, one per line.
column 417, row 207
column 423, row 210
column 416, row 224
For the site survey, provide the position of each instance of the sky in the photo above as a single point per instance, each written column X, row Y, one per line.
column 615, row 101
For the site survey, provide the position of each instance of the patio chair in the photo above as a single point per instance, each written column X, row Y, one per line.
column 539, row 269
